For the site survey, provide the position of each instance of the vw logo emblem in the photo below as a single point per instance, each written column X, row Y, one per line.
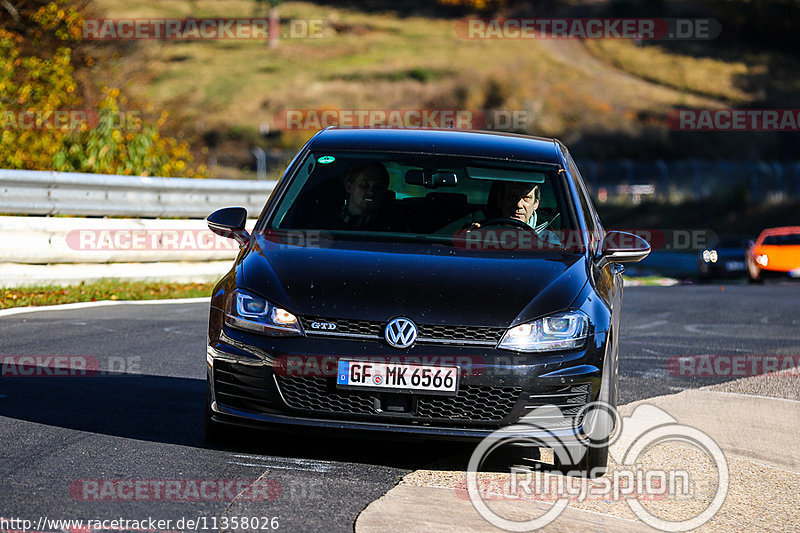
column 400, row 333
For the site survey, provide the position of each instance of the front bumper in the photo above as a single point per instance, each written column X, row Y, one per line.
column 249, row 385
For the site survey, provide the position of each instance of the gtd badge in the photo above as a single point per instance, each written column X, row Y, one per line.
column 328, row 326
column 400, row 333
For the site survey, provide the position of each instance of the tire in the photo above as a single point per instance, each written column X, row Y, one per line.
column 213, row 432
column 592, row 463
column 753, row 272
column 757, row 279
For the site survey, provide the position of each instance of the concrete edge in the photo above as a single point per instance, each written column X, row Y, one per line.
column 731, row 419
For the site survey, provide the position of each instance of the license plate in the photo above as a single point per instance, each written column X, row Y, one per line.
column 733, row 266
column 398, row 377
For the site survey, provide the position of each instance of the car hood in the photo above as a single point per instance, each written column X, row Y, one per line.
column 432, row 286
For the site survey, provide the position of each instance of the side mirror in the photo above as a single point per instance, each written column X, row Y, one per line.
column 229, row 222
column 621, row 247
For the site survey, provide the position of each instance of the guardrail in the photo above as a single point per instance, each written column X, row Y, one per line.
column 65, row 193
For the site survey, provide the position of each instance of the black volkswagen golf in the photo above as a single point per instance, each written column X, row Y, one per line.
column 432, row 283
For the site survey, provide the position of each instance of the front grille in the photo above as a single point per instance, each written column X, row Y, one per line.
column 318, row 394
column 426, row 333
column 472, row 403
column 368, row 328
column 242, row 386
column 461, row 333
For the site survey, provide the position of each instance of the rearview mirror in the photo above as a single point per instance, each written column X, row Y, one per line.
column 621, row 247
column 229, row 222
column 431, row 180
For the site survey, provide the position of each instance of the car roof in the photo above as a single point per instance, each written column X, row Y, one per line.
column 785, row 230
column 455, row 142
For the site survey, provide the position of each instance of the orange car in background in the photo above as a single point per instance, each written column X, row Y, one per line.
column 776, row 251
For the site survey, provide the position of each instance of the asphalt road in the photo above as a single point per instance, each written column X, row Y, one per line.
column 144, row 420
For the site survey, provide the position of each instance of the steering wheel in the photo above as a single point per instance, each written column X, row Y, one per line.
column 507, row 222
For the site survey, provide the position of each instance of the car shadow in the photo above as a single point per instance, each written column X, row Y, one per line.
column 170, row 410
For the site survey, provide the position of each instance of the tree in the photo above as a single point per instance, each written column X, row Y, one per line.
column 44, row 122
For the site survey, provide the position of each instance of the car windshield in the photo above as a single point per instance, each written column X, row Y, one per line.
column 422, row 198
column 788, row 239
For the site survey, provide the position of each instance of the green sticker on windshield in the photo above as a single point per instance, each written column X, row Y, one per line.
column 325, row 159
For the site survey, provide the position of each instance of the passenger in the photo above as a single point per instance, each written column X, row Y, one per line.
column 369, row 201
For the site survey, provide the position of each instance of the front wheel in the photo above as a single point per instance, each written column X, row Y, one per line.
column 589, row 461
column 753, row 272
column 212, row 431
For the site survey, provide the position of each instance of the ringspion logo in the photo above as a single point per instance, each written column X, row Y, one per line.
column 628, row 440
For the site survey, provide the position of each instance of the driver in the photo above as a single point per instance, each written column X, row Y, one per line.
column 519, row 201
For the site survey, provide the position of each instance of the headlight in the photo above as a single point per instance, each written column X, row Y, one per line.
column 762, row 260
column 252, row 313
column 558, row 332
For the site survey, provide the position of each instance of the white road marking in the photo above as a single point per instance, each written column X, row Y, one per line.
column 649, row 342
column 284, row 459
column 767, row 466
column 750, row 395
column 654, row 373
column 101, row 303
column 298, row 464
column 315, row 465
column 649, row 325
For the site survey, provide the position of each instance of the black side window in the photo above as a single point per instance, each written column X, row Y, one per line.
column 590, row 216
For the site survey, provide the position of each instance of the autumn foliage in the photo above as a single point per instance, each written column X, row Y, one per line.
column 45, row 122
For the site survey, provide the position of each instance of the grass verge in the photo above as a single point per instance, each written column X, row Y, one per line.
column 706, row 76
column 102, row 290
column 649, row 281
column 367, row 61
